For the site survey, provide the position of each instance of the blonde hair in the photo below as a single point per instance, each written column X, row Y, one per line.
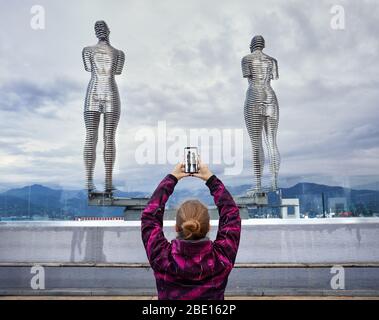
column 192, row 220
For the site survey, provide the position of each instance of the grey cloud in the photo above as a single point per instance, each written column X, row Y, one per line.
column 21, row 95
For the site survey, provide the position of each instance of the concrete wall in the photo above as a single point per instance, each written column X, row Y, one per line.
column 339, row 240
column 276, row 257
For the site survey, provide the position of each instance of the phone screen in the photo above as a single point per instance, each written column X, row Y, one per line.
column 191, row 160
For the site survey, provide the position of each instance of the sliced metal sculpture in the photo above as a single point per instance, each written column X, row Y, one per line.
column 261, row 110
column 104, row 62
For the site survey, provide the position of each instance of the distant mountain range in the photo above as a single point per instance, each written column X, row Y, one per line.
column 43, row 202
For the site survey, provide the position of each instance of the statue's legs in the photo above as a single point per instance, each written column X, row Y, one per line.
column 270, row 132
column 254, row 125
column 110, row 125
column 91, row 119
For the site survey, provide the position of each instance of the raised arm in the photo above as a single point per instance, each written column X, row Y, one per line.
column 156, row 245
column 229, row 226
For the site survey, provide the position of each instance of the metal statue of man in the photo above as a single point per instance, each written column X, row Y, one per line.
column 261, row 110
column 104, row 62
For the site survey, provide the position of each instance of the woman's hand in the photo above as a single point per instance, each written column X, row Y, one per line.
column 204, row 172
column 178, row 171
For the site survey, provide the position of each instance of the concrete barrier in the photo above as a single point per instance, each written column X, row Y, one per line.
column 306, row 241
column 276, row 257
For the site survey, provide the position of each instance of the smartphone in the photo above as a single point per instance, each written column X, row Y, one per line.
column 191, row 160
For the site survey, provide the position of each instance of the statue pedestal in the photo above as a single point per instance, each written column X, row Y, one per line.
column 133, row 206
column 268, row 203
column 254, row 199
column 251, row 199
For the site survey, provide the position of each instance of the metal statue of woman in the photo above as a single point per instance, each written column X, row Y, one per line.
column 104, row 62
column 261, row 110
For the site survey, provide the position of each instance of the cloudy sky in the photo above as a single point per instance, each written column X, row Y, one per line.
column 183, row 67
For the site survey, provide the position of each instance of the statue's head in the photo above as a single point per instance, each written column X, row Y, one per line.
column 101, row 29
column 257, row 43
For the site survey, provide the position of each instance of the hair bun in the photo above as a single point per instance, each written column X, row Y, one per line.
column 191, row 228
column 192, row 220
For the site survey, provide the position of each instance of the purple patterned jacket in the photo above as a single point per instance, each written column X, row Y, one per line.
column 189, row 269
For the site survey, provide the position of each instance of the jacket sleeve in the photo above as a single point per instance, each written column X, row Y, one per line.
column 156, row 245
column 229, row 226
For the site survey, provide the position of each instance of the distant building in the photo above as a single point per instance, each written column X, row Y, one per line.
column 290, row 208
column 337, row 204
